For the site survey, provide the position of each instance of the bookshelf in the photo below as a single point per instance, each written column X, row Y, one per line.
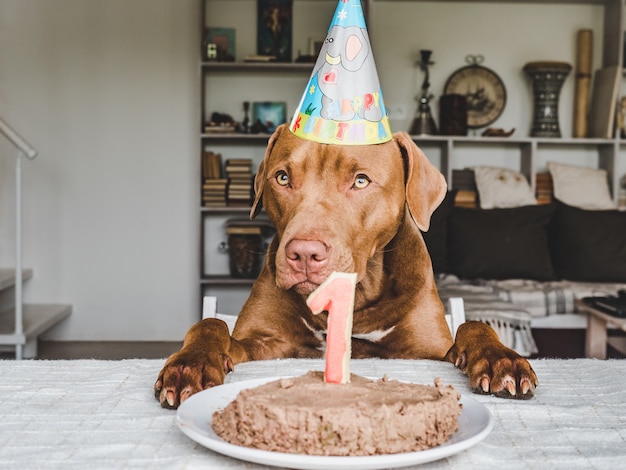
column 225, row 86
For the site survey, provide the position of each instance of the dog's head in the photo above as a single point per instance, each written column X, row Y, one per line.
column 336, row 207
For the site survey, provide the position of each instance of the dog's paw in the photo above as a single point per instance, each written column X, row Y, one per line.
column 189, row 372
column 492, row 368
column 504, row 377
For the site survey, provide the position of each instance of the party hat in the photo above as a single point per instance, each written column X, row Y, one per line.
column 343, row 102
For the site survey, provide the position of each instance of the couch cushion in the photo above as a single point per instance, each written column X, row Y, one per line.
column 436, row 238
column 587, row 188
column 588, row 245
column 500, row 243
column 501, row 188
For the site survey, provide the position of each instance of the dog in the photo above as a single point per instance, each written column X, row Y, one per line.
column 353, row 209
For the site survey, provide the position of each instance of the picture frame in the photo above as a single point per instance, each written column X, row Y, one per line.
column 219, row 44
column 274, row 29
column 270, row 113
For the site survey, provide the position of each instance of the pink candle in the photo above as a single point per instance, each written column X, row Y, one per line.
column 336, row 296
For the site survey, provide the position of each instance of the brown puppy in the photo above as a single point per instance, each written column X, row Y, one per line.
column 353, row 209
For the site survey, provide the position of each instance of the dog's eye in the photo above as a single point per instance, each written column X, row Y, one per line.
column 361, row 181
column 282, row 178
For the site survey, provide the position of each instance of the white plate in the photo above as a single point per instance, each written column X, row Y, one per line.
column 195, row 415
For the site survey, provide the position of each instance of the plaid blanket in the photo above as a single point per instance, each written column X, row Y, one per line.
column 541, row 299
column 510, row 305
column 482, row 303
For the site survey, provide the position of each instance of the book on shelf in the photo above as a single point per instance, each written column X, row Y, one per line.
column 244, row 230
column 544, row 198
column 240, row 194
column 239, row 187
column 259, row 58
column 214, row 203
column 240, row 178
column 214, row 191
column 466, row 198
column 236, row 168
column 214, row 199
column 211, row 165
column 544, row 189
column 211, row 183
column 239, row 161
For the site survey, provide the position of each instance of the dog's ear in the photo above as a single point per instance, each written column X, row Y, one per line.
column 425, row 185
column 259, row 179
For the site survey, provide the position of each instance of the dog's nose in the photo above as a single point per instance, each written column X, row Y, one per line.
column 307, row 255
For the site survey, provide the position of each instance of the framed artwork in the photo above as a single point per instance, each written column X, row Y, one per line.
column 219, row 44
column 270, row 113
column 274, row 30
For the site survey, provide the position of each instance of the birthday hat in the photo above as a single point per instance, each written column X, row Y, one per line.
column 343, row 102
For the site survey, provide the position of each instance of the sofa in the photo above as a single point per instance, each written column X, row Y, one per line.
column 519, row 265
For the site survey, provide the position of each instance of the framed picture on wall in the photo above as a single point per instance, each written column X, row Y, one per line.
column 271, row 114
column 219, row 44
column 274, row 31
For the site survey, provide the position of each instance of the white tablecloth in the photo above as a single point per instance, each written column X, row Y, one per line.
column 102, row 414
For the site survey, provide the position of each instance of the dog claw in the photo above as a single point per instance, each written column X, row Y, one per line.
column 484, row 384
column 510, row 386
column 460, row 361
column 170, row 398
column 186, row 393
column 525, row 385
column 228, row 364
column 157, row 388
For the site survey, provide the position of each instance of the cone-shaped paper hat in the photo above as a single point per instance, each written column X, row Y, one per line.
column 343, row 103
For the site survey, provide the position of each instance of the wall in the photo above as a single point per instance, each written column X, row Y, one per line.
column 107, row 90
column 507, row 35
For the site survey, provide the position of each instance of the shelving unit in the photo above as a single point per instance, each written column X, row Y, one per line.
column 529, row 147
column 528, row 152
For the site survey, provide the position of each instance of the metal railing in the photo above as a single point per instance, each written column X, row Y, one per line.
column 27, row 150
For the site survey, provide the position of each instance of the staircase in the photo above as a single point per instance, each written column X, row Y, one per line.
column 21, row 324
column 36, row 318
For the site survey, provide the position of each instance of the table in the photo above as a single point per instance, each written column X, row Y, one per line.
column 89, row 414
column 596, row 337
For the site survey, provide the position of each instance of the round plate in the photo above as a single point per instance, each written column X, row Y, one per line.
column 484, row 91
column 195, row 415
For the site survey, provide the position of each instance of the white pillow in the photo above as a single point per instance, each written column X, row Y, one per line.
column 501, row 187
column 586, row 188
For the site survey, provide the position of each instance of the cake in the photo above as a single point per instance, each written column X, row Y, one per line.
column 306, row 415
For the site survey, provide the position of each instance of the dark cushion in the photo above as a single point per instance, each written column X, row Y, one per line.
column 500, row 243
column 436, row 237
column 588, row 245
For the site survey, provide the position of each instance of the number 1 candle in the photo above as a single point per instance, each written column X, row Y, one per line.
column 336, row 296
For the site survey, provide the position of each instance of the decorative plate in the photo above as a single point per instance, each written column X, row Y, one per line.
column 483, row 89
column 195, row 415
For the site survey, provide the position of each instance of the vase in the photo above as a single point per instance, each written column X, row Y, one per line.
column 547, row 79
column 453, row 114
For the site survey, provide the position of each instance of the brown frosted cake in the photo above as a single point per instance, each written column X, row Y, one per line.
column 305, row 415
